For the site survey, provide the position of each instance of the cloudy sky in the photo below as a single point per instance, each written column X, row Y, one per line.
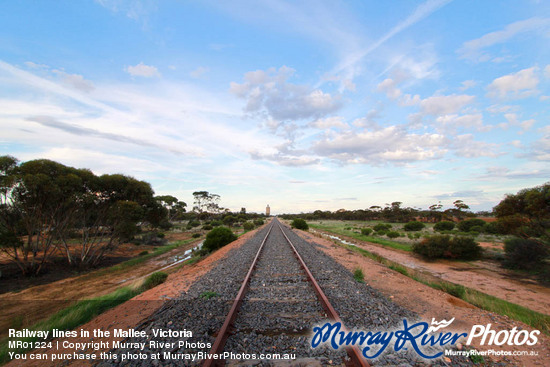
column 302, row 105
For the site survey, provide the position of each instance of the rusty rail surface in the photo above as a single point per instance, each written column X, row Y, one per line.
column 223, row 333
column 353, row 352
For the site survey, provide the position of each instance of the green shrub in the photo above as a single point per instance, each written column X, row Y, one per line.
column 229, row 220
column 165, row 224
column 522, row 253
column 432, row 247
column 366, row 231
column 445, row 246
column 216, row 223
column 194, row 223
column 160, row 235
column 299, row 223
column 381, row 232
column 392, row 234
column 143, row 253
column 248, row 226
column 358, row 275
column 478, row 229
column 466, row 225
column 207, row 227
column 154, row 279
column 464, row 248
column 444, row 226
column 382, row 227
column 258, row 222
column 196, row 235
column 414, row 226
column 218, row 237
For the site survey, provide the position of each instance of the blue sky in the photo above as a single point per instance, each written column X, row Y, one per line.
column 302, row 105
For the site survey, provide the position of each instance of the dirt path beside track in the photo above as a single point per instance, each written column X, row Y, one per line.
column 484, row 276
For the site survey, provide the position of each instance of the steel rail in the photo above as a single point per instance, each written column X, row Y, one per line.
column 353, row 352
column 223, row 334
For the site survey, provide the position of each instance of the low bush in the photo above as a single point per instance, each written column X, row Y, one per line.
column 207, row 227
column 194, row 223
column 467, row 225
column 218, row 237
column 432, row 247
column 299, row 223
column 382, row 227
column 366, row 231
column 248, row 226
column 444, row 226
column 464, row 248
column 259, row 222
column 478, row 229
column 216, row 223
column 358, row 275
column 392, row 234
column 414, row 226
column 522, row 253
column 445, row 246
column 196, row 235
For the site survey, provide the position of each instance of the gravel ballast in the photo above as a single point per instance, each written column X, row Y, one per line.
column 279, row 311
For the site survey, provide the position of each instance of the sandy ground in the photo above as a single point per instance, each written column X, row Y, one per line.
column 484, row 276
column 132, row 313
column 430, row 303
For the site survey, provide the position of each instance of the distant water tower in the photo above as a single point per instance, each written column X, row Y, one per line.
column 267, row 210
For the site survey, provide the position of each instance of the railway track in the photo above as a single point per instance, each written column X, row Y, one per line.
column 281, row 291
column 278, row 309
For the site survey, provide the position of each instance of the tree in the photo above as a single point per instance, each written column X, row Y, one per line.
column 527, row 213
column 43, row 201
column 204, row 202
column 174, row 207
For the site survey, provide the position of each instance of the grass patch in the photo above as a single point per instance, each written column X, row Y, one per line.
column 479, row 299
column 157, row 278
column 339, row 230
column 73, row 316
column 208, row 295
column 358, row 275
column 399, row 268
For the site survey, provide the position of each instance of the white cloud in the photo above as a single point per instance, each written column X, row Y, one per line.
column 465, row 146
column 445, row 105
column 422, row 11
column 391, row 144
column 467, row 84
column 547, row 71
column 389, row 86
column 330, row 122
column 76, row 81
column 269, row 93
column 199, row 72
column 33, row 65
column 451, row 123
column 143, row 70
column 517, row 85
column 474, row 49
column 138, row 10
